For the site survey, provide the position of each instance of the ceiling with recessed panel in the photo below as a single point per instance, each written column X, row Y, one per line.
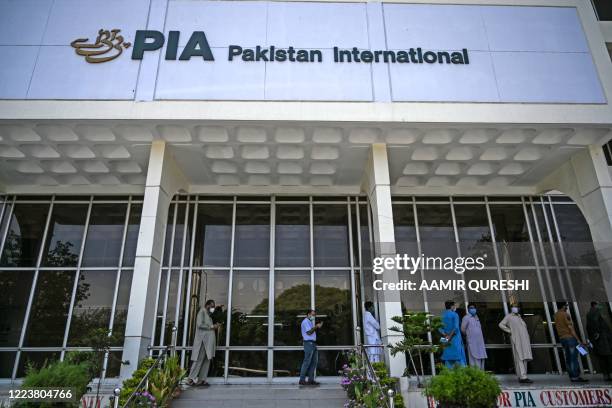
column 108, row 154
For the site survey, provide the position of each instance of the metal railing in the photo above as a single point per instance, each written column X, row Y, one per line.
column 371, row 373
column 164, row 352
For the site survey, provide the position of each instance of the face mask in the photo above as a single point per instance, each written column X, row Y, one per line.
column 211, row 310
column 472, row 311
column 311, row 318
column 515, row 310
column 453, row 308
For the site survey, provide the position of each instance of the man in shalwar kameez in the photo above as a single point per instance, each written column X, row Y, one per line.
column 471, row 328
column 453, row 353
column 372, row 333
column 514, row 325
column 204, row 345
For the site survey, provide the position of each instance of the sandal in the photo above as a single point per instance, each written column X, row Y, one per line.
column 190, row 382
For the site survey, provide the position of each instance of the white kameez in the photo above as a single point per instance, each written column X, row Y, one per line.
column 372, row 336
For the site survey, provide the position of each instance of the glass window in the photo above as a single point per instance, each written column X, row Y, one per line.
column 171, row 315
column 252, row 242
column 288, row 363
column 248, row 364
column 93, row 305
column 206, row 285
column 575, row 235
column 436, row 230
column 331, row 245
column 291, row 301
column 49, row 312
column 604, row 9
column 35, row 359
column 15, row 289
column 333, row 307
column 474, row 232
column 25, row 235
column 292, row 235
column 179, row 233
column 331, row 362
column 168, row 238
column 249, row 309
column 405, row 229
column 7, row 362
column 131, row 236
column 65, row 235
column 213, row 238
column 104, row 235
column 121, row 309
column 512, row 235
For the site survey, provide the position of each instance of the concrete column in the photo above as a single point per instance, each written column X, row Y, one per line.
column 376, row 184
column 164, row 179
column 586, row 178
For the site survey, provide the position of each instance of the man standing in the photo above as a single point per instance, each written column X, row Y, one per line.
column 372, row 333
column 600, row 335
column 311, row 355
column 204, row 344
column 514, row 325
column 453, row 353
column 471, row 328
column 569, row 340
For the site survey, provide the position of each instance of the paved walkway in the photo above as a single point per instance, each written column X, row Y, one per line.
column 264, row 396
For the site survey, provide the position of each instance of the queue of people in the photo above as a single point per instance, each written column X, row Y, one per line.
column 598, row 326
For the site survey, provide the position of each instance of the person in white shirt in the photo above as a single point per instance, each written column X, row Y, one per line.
column 372, row 333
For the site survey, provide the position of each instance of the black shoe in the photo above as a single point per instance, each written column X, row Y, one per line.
column 303, row 382
column 579, row 380
column 313, row 383
column 525, row 381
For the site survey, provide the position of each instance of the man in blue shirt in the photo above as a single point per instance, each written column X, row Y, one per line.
column 311, row 357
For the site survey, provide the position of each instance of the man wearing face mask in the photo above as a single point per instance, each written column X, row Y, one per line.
column 204, row 344
column 453, row 353
column 600, row 334
column 372, row 333
column 515, row 326
column 311, row 355
column 569, row 340
column 471, row 328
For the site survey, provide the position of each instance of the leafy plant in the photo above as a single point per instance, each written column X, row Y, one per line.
column 163, row 382
column 416, row 328
column 58, row 374
column 130, row 384
column 463, row 387
column 361, row 389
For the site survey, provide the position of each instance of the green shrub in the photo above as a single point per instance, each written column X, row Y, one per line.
column 58, row 374
column 130, row 384
column 463, row 387
column 163, row 381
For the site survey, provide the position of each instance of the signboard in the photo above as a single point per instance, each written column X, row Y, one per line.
column 571, row 397
column 295, row 51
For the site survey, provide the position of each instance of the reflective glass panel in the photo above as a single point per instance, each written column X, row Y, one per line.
column 252, row 241
column 35, row 359
column 474, row 232
column 123, row 298
column 249, row 309
column 331, row 245
column 292, row 300
column 131, row 237
column 93, row 304
column 436, row 230
column 65, row 235
column 213, row 238
column 49, row 311
column 287, row 363
column 248, row 364
column 15, row 289
column 333, row 307
column 25, row 235
column 292, row 235
column 511, row 235
column 330, row 362
column 575, row 235
column 104, row 235
column 7, row 362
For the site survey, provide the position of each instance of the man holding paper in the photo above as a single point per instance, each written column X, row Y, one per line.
column 570, row 341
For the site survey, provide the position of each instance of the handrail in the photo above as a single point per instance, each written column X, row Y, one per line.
column 372, row 374
column 145, row 378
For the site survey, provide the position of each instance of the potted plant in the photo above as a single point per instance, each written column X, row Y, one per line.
column 463, row 387
column 164, row 382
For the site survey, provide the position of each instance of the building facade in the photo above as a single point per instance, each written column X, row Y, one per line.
column 157, row 153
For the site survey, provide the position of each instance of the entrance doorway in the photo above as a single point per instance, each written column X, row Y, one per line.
column 265, row 261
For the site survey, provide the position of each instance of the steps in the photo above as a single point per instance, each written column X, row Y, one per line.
column 262, row 396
